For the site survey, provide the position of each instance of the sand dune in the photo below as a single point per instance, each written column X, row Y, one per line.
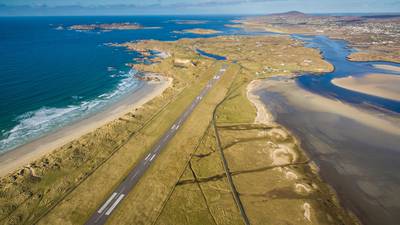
column 25, row 154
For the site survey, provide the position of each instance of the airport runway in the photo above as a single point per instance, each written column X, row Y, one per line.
column 118, row 195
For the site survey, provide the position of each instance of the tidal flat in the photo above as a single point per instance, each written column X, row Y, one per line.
column 381, row 85
column 356, row 150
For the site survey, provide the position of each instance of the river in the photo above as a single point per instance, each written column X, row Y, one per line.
column 354, row 138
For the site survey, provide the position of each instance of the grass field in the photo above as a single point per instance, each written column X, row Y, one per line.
column 187, row 184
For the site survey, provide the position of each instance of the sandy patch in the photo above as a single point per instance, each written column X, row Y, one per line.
column 199, row 31
column 302, row 188
column 307, row 211
column 283, row 154
column 381, row 85
column 387, row 67
column 291, row 175
column 278, row 134
column 25, row 154
column 310, row 101
column 263, row 116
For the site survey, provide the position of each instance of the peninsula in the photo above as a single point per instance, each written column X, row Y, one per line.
column 188, row 182
column 376, row 37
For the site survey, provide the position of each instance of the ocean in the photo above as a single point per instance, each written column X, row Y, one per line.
column 51, row 77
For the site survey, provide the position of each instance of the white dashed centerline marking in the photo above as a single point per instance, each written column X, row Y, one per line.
column 134, row 175
column 117, row 197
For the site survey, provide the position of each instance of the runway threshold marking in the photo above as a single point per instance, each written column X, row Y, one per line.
column 107, row 203
column 115, row 204
column 117, row 196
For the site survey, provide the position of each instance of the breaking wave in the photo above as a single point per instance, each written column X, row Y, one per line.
column 34, row 124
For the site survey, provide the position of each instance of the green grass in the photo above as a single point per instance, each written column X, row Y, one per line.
column 155, row 186
column 79, row 205
column 75, row 179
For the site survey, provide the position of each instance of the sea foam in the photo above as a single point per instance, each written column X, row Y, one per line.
column 34, row 124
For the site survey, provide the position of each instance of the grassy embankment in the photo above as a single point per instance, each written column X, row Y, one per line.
column 275, row 185
column 109, row 152
column 270, row 192
column 375, row 39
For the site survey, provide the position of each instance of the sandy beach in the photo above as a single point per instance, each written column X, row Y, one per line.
column 381, row 85
column 350, row 145
column 304, row 99
column 27, row 153
column 263, row 115
column 387, row 67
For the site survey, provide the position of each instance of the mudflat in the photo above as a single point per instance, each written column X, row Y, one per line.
column 381, row 85
column 387, row 67
column 351, row 146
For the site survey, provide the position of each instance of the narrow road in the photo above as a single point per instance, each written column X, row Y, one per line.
column 105, row 210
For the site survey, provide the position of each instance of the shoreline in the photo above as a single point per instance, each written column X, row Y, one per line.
column 387, row 67
column 23, row 155
column 380, row 85
column 266, row 117
column 337, row 158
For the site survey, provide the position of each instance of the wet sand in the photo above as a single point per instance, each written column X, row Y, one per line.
column 27, row 153
column 381, row 85
column 356, row 150
column 387, row 67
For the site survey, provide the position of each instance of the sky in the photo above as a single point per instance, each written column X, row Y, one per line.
column 171, row 7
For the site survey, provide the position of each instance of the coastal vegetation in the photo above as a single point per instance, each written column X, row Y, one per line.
column 227, row 155
column 199, row 31
column 108, row 26
column 376, row 37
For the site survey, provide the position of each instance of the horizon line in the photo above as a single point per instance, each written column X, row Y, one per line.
column 201, row 14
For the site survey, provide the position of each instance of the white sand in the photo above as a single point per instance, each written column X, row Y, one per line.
column 300, row 187
column 387, row 67
column 307, row 211
column 381, row 85
column 36, row 149
column 263, row 115
column 280, row 154
column 310, row 101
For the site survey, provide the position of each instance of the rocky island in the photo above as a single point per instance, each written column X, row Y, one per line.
column 199, row 31
column 107, row 26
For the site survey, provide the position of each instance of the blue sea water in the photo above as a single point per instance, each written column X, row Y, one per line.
column 206, row 54
column 336, row 52
column 51, row 77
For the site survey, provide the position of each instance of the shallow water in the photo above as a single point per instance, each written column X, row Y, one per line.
column 51, row 77
column 336, row 52
column 361, row 162
column 206, row 54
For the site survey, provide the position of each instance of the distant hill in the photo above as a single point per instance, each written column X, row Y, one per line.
column 290, row 13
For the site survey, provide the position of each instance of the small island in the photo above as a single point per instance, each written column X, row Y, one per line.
column 198, row 31
column 107, row 26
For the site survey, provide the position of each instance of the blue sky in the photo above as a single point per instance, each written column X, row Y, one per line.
column 110, row 7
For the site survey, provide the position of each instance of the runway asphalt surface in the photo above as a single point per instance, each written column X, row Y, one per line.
column 118, row 195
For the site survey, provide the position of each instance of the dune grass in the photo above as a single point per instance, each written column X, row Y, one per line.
column 186, row 184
